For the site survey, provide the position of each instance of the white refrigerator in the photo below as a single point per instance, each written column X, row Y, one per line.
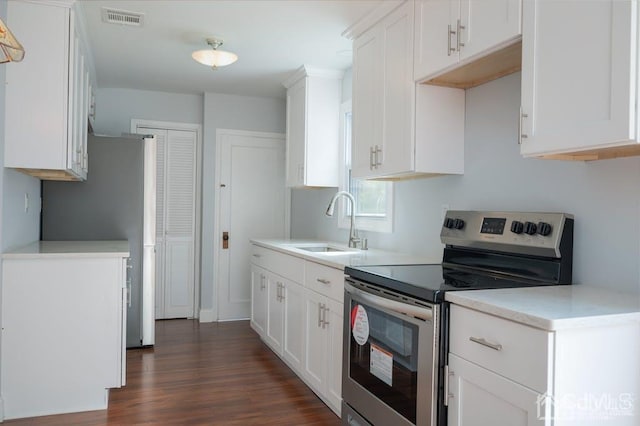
column 116, row 202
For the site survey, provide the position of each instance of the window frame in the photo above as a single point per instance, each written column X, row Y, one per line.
column 363, row 222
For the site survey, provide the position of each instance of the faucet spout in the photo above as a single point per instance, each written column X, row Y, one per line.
column 353, row 232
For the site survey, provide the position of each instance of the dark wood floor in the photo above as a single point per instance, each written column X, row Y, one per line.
column 213, row 374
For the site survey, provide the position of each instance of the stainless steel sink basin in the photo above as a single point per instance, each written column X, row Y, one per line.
column 326, row 249
column 321, row 249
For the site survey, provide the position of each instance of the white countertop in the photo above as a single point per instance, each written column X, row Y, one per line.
column 339, row 260
column 44, row 249
column 553, row 307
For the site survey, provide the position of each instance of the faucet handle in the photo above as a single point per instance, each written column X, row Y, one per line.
column 363, row 244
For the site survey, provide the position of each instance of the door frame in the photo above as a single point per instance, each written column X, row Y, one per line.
column 216, row 204
column 197, row 128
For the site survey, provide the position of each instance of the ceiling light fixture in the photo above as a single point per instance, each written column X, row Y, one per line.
column 214, row 58
column 10, row 49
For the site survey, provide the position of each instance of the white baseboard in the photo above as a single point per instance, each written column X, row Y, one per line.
column 207, row 315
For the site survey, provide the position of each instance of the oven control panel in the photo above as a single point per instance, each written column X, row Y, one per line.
column 519, row 232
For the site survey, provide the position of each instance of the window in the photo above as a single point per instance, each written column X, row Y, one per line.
column 374, row 199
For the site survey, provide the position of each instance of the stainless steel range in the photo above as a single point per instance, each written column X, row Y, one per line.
column 396, row 319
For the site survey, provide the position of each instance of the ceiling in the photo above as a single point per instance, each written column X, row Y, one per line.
column 271, row 38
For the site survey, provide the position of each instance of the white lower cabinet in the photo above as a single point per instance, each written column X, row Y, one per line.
column 63, row 330
column 258, row 299
column 322, row 366
column 481, row 397
column 504, row 373
column 284, row 311
column 300, row 318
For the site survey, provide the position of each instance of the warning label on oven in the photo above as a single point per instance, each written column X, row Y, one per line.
column 381, row 364
column 359, row 324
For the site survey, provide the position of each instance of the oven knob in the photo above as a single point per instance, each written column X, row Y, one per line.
column 448, row 223
column 458, row 223
column 530, row 228
column 517, row 227
column 544, row 229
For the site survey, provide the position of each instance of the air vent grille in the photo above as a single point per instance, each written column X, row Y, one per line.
column 122, row 17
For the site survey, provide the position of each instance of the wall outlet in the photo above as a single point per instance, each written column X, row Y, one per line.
column 443, row 213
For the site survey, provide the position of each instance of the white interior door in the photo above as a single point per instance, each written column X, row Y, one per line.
column 250, row 204
column 175, row 221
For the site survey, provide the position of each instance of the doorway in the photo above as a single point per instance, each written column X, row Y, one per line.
column 177, row 217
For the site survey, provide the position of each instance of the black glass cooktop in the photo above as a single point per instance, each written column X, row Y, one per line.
column 430, row 282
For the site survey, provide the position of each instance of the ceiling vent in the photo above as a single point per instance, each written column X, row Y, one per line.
column 122, row 17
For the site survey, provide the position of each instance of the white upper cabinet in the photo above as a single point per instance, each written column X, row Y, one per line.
column 401, row 129
column 451, row 34
column 313, row 114
column 48, row 94
column 580, row 102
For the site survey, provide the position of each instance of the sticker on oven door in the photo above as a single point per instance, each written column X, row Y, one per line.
column 359, row 324
column 381, row 364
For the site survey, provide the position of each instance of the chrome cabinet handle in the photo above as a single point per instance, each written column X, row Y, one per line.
column 282, row 292
column 459, row 32
column 521, row 134
column 319, row 315
column 371, row 153
column 324, row 316
column 256, row 255
column 278, row 292
column 449, row 34
column 262, row 286
column 483, row 342
column 377, row 157
column 323, row 281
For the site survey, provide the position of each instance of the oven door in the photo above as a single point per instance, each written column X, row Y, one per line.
column 389, row 356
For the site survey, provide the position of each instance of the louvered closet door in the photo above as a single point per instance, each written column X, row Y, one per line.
column 179, row 221
column 175, row 222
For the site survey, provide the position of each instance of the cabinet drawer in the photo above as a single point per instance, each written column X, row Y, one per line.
column 286, row 266
column 325, row 280
column 513, row 350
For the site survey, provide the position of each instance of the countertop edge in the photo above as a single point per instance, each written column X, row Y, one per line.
column 340, row 261
column 548, row 322
column 70, row 249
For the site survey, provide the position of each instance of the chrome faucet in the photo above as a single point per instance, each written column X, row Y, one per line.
column 353, row 232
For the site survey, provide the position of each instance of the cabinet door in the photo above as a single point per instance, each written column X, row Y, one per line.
column 367, row 112
column 296, row 138
column 334, row 318
column 434, row 43
column 481, row 397
column 396, row 154
column 258, row 300
column 37, row 89
column 275, row 313
column 315, row 353
column 293, row 324
column 488, row 24
column 583, row 96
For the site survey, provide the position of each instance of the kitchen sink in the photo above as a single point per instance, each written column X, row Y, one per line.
column 325, row 248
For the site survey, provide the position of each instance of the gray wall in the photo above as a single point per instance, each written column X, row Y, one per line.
column 603, row 195
column 237, row 113
column 18, row 227
column 116, row 107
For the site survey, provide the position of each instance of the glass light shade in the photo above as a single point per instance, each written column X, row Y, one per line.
column 214, row 58
column 11, row 49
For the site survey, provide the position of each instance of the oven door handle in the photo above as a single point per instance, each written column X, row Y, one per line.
column 399, row 307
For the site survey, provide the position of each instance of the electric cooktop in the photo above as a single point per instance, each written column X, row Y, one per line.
column 430, row 282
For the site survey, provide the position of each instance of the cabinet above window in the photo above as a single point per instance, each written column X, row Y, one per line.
column 313, row 114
